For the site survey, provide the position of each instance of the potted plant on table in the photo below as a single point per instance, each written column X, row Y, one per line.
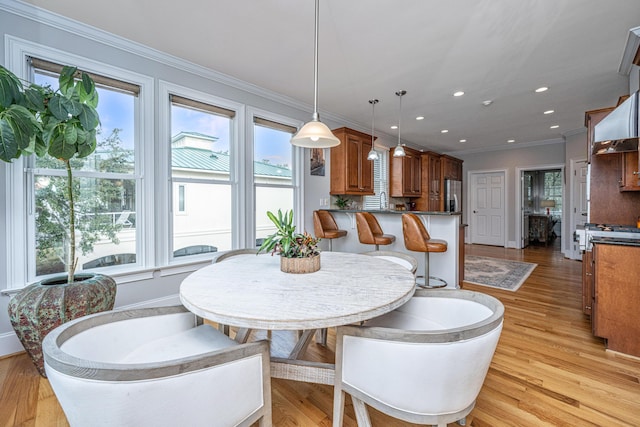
column 298, row 251
column 60, row 124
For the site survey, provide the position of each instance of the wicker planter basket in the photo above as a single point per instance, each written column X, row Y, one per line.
column 300, row 265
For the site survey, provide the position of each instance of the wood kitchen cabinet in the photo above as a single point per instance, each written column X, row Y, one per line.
column 587, row 282
column 451, row 168
column 430, row 198
column 351, row 171
column 615, row 315
column 629, row 171
column 591, row 119
column 405, row 173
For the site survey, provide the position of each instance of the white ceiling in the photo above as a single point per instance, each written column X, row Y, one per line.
column 499, row 50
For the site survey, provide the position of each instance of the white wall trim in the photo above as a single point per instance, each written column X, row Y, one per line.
column 10, row 344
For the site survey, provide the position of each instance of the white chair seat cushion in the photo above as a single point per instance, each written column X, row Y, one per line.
column 202, row 339
column 433, row 314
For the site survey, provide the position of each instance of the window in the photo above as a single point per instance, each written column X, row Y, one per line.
column 105, row 183
column 201, row 166
column 273, row 177
column 380, row 178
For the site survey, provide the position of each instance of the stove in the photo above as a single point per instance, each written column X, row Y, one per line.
column 584, row 234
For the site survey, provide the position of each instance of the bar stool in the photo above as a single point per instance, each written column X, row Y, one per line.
column 416, row 238
column 325, row 227
column 370, row 232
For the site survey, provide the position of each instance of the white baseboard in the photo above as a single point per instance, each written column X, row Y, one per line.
column 10, row 344
column 512, row 244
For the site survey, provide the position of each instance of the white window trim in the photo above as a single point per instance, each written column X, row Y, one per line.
column 165, row 199
column 297, row 176
column 19, row 250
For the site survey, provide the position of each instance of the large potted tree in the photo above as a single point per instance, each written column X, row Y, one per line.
column 58, row 124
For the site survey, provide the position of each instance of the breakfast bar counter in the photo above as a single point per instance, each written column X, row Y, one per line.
column 440, row 225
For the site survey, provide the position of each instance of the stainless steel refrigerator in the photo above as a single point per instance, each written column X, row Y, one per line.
column 452, row 195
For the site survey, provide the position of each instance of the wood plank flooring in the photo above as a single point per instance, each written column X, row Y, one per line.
column 548, row 369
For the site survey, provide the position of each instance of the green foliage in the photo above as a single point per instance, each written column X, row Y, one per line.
column 286, row 241
column 60, row 123
column 36, row 119
column 342, row 202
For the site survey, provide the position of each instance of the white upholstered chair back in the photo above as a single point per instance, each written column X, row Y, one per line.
column 156, row 367
column 424, row 362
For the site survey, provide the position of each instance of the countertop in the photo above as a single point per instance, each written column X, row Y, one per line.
column 389, row 211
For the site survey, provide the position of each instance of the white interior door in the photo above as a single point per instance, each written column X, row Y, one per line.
column 487, row 208
column 580, row 202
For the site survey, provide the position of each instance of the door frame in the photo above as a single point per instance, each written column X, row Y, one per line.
column 519, row 212
column 573, row 252
column 469, row 198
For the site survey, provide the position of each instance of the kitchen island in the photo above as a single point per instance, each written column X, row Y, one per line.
column 440, row 225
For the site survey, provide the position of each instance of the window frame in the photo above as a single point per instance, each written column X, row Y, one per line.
column 20, row 217
column 297, row 172
column 164, row 251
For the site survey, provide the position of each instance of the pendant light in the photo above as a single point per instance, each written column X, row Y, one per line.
column 399, row 150
column 373, row 154
column 315, row 134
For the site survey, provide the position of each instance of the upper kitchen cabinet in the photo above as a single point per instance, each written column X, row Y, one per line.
column 591, row 119
column 404, row 174
column 451, row 168
column 351, row 171
column 430, row 199
column 629, row 168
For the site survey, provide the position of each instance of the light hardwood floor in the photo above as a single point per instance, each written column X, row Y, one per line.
column 548, row 369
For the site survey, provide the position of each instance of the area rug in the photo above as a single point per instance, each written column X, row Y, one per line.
column 496, row 273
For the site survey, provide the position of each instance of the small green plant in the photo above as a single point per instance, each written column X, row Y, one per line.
column 342, row 202
column 286, row 241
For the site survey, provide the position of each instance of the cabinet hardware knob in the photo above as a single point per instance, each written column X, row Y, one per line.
column 588, row 274
column 635, row 172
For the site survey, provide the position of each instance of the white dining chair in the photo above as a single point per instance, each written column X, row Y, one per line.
column 423, row 363
column 402, row 259
column 156, row 367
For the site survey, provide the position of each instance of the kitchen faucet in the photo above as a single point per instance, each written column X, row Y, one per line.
column 383, row 200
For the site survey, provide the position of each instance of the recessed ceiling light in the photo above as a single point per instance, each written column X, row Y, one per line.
column 549, row 112
column 444, row 131
column 554, row 127
column 511, row 140
column 420, row 118
column 458, row 93
column 463, row 140
column 541, row 89
column 394, row 127
column 487, row 102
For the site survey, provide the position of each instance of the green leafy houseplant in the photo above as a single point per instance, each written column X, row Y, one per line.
column 57, row 123
column 342, row 202
column 286, row 242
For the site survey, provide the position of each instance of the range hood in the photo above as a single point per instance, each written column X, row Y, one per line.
column 618, row 132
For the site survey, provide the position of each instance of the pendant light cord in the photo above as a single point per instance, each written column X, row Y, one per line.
column 316, row 115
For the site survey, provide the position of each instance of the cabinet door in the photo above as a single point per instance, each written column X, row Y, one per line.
column 629, row 172
column 353, row 163
column 416, row 186
column 587, row 282
column 366, row 167
column 434, row 185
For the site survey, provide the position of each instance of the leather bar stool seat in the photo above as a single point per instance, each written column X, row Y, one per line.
column 325, row 227
column 370, row 232
column 417, row 238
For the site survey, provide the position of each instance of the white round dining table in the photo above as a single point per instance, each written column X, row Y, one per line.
column 250, row 291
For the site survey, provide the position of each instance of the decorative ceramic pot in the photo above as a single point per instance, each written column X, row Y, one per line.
column 300, row 265
column 41, row 307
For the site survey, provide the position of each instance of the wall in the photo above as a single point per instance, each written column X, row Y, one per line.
column 510, row 158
